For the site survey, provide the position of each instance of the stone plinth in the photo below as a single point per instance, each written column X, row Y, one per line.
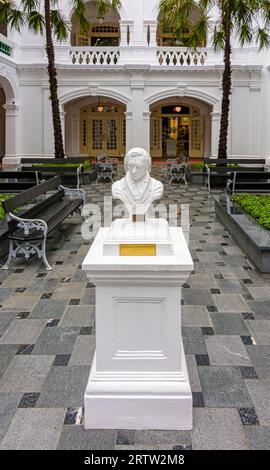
column 139, row 378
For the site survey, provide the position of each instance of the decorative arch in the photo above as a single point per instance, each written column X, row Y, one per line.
column 98, row 91
column 69, row 10
column 184, row 92
column 9, row 86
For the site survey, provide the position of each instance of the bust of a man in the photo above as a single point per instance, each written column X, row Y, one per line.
column 137, row 190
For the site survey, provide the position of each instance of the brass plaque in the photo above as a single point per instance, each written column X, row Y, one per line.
column 138, row 250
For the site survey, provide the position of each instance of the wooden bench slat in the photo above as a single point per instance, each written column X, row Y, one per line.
column 30, row 194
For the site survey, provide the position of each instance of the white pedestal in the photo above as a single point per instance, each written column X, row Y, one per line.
column 139, row 378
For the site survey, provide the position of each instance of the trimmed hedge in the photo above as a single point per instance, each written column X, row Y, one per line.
column 201, row 166
column 86, row 165
column 257, row 206
column 3, row 197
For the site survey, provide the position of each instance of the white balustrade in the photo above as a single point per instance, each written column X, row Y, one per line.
column 94, row 56
column 179, row 56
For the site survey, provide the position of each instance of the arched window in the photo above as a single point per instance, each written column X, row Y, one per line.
column 167, row 38
column 103, row 32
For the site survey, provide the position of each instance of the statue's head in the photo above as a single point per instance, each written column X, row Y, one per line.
column 137, row 162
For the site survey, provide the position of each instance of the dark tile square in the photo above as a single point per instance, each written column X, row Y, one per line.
column 198, row 401
column 46, row 295
column 89, row 284
column 248, row 316
column 86, row 330
column 247, row 340
column 59, row 262
column 207, row 331
column 247, row 281
column 51, row 323
column 25, row 349
column 125, row 437
column 211, row 308
column 29, row 400
column 248, row 372
column 248, row 416
column 247, row 268
column 215, row 291
column 74, row 301
column 202, row 359
column 61, row 359
column 218, row 276
column 17, row 271
column 72, row 416
column 22, row 315
column 20, row 290
column 42, row 274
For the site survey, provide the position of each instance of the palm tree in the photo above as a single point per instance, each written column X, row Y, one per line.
column 30, row 14
column 246, row 20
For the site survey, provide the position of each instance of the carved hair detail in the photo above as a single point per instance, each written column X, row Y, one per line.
column 138, row 152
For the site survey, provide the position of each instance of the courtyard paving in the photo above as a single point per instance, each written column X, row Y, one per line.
column 47, row 341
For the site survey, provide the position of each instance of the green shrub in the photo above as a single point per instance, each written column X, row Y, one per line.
column 201, row 166
column 257, row 206
column 86, row 165
column 3, row 197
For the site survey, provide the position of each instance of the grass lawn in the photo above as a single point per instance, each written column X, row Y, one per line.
column 257, row 206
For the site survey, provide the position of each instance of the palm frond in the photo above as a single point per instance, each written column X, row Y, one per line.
column 17, row 19
column 30, row 5
column 36, row 22
column 60, row 25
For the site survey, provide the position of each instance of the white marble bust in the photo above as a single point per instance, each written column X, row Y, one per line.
column 137, row 190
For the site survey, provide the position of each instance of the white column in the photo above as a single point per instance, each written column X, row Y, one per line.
column 215, row 133
column 129, row 130
column 254, row 121
column 11, row 110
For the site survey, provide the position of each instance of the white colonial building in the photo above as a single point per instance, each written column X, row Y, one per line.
column 124, row 83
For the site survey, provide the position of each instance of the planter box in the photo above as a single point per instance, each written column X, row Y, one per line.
column 253, row 239
column 196, row 177
column 4, row 243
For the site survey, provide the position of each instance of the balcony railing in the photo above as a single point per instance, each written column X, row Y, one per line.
column 179, row 56
column 94, row 55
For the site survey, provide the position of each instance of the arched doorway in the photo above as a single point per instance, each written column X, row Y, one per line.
column 95, row 125
column 2, row 123
column 180, row 126
column 102, row 32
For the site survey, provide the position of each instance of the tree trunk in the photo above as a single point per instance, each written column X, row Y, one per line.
column 226, row 92
column 57, row 129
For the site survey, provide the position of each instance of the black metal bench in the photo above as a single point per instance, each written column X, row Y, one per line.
column 249, row 182
column 28, row 231
column 222, row 167
column 16, row 181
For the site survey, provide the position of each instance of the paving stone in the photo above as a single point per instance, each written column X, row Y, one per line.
column 226, row 351
column 5, row 320
column 50, row 308
column 20, row 302
column 197, row 297
column 193, row 374
column 171, row 438
column 24, row 433
column 193, row 341
column 223, row 387
column 248, row 416
column 23, row 332
column 230, row 303
column 25, row 374
column 260, row 358
column 258, row 437
column 64, row 387
column 229, row 324
column 4, row 294
column 29, row 400
column 259, row 292
column 230, row 287
column 260, row 331
column 78, row 316
column 195, row 316
column 203, row 281
column 7, row 353
column 83, row 351
column 217, row 429
column 72, row 290
column 261, row 308
column 8, row 406
column 259, row 391
column 77, row 438
column 56, row 341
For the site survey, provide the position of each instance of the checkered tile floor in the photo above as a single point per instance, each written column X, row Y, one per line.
column 47, row 341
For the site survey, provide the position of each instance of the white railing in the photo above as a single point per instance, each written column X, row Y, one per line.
column 94, row 55
column 179, row 56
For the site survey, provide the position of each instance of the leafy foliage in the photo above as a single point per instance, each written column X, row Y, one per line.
column 86, row 165
column 257, row 206
column 3, row 197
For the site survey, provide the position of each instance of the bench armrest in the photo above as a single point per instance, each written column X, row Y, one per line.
column 27, row 224
column 73, row 193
